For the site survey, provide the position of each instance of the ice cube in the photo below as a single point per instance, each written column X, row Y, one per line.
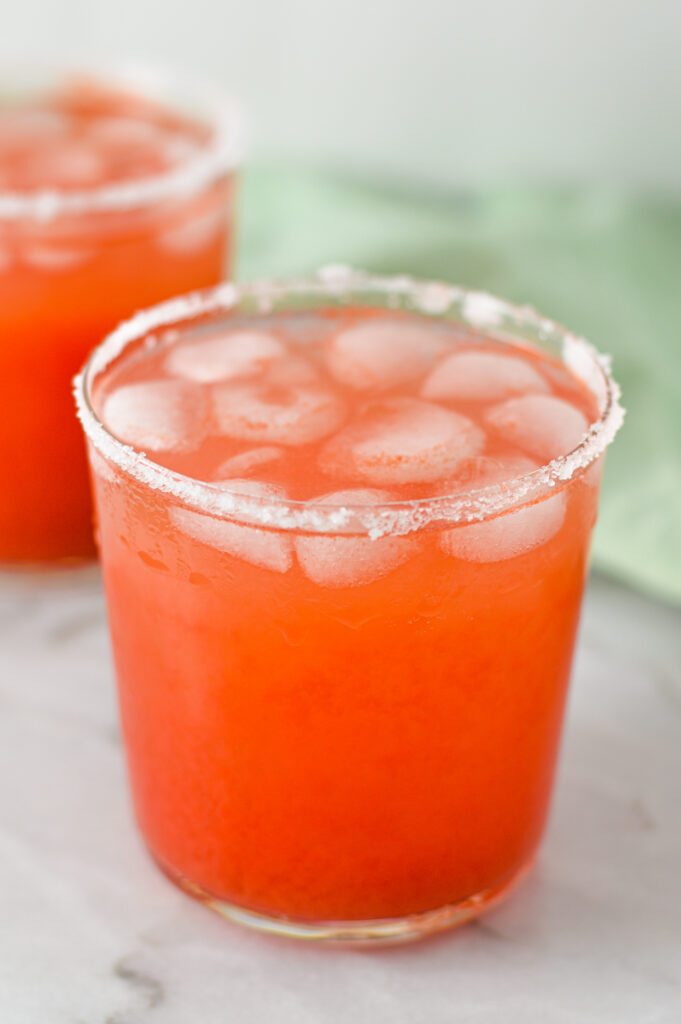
column 194, row 233
column 71, row 164
column 383, row 353
column 290, row 372
column 56, row 258
column 350, row 561
column 244, row 462
column 484, row 471
column 125, row 133
column 21, row 127
column 276, row 414
column 268, row 549
column 512, row 533
column 130, row 147
column 482, row 376
column 176, row 149
column 158, row 415
column 542, row 425
column 508, row 535
column 226, row 356
column 400, row 441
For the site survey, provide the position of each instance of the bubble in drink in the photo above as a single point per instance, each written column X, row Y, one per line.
column 381, row 354
column 542, row 425
column 482, row 377
column 511, row 534
column 351, row 561
column 158, row 415
column 402, row 441
column 225, row 357
column 266, row 549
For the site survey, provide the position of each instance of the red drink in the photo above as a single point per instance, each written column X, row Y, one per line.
column 343, row 589
column 109, row 200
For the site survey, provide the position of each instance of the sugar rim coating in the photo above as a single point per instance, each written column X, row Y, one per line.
column 431, row 298
column 221, row 154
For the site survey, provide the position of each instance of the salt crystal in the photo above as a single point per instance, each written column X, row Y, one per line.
column 483, row 310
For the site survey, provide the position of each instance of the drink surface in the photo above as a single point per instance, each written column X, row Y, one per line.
column 67, row 277
column 82, row 137
column 341, row 400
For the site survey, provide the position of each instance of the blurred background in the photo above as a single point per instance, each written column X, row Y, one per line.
column 444, row 93
column 531, row 150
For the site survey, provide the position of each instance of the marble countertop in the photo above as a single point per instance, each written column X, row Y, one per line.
column 91, row 933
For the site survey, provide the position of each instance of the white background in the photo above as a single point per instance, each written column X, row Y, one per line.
column 446, row 91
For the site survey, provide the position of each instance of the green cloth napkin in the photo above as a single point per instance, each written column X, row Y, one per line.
column 606, row 265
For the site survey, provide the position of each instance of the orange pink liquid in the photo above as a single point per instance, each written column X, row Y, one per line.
column 68, row 279
column 342, row 750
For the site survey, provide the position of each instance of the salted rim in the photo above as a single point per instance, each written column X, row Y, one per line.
column 222, row 153
column 431, row 298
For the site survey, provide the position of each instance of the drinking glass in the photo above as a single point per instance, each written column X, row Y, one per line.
column 342, row 720
column 116, row 191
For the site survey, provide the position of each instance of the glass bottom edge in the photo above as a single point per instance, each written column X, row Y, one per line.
column 384, row 931
column 62, row 565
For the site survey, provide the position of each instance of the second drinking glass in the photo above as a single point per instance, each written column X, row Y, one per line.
column 115, row 191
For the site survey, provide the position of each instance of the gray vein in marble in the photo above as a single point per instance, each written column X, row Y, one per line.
column 148, row 987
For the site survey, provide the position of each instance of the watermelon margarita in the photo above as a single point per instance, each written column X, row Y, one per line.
column 344, row 534
column 111, row 197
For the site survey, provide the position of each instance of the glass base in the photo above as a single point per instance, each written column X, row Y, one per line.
column 384, row 931
column 64, row 565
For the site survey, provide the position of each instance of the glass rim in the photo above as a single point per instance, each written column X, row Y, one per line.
column 430, row 298
column 222, row 153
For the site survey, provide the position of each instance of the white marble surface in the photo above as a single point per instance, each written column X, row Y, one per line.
column 92, row 934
